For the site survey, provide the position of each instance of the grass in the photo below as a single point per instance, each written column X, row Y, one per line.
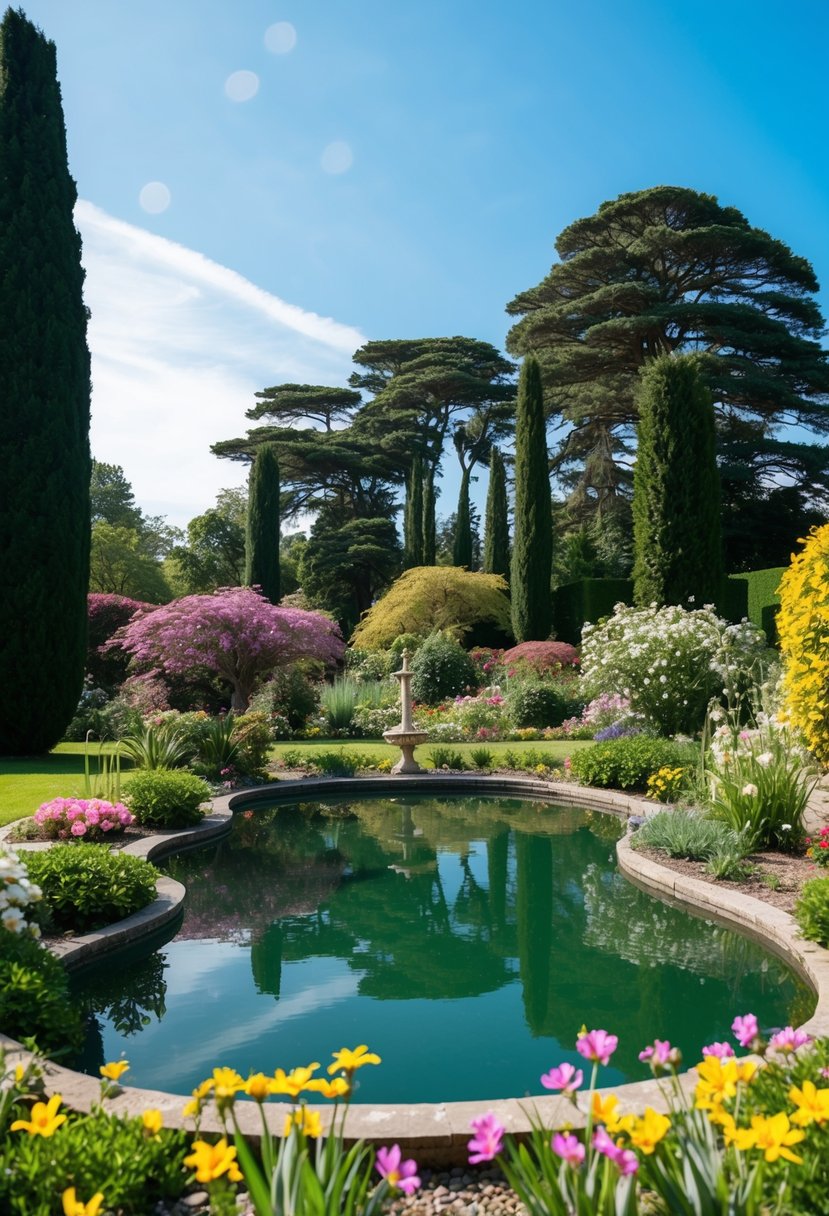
column 28, row 781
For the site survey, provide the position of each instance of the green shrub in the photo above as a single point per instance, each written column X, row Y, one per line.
column 626, row 764
column 812, row 911
column 34, row 997
column 95, row 1152
column 88, row 887
column 338, row 702
column 166, row 798
column 446, row 757
column 442, row 668
column 482, row 757
column 339, row 763
column 687, row 834
column 228, row 747
column 541, row 704
column 157, row 745
column 290, row 694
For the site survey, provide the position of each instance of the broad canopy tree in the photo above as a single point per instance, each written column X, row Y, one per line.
column 234, row 633
column 670, row 270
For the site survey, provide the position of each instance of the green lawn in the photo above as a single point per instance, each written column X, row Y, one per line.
column 26, row 783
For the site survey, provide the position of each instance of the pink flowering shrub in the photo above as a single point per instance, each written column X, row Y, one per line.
column 544, row 658
column 106, row 614
column 82, row 818
column 233, row 633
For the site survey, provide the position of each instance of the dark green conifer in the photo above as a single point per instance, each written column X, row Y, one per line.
column 496, row 539
column 429, row 527
column 413, row 522
column 676, row 496
column 262, row 535
column 462, row 545
column 44, row 404
column 532, row 551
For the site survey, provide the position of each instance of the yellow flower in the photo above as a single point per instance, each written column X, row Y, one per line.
column 719, row 1081
column 349, row 1061
column 226, row 1083
column 294, row 1082
column 152, row 1121
column 210, row 1161
column 258, row 1086
column 604, row 1111
column 812, row 1104
column 193, row 1107
column 336, row 1088
column 308, row 1121
column 72, row 1206
column 19, row 1073
column 649, row 1130
column 114, row 1071
column 44, row 1121
column 772, row 1135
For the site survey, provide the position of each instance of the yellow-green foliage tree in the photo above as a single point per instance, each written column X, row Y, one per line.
column 429, row 598
column 803, row 628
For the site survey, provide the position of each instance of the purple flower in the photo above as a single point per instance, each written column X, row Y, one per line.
column 745, row 1029
column 569, row 1148
column 597, row 1045
column 789, row 1040
column 721, row 1050
column 487, row 1141
column 565, row 1077
column 658, row 1054
column 401, row 1175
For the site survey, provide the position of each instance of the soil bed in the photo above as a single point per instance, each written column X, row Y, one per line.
column 777, row 878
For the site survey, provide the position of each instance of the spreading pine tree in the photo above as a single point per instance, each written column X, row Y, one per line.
column 496, row 539
column 676, row 493
column 532, row 550
column 44, row 404
column 262, row 534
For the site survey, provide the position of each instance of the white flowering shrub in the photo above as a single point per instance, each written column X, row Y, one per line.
column 669, row 662
column 17, row 895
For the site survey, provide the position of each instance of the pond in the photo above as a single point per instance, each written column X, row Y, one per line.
column 464, row 939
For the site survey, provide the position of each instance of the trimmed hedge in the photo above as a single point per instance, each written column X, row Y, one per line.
column 762, row 599
column 587, row 599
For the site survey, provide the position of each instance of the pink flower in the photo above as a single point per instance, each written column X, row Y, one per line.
column 78, row 828
column 721, row 1050
column 107, row 825
column 745, row 1029
column 789, row 1040
column 597, row 1045
column 624, row 1159
column 487, row 1141
column 565, row 1077
column 401, row 1175
column 569, row 1148
column 658, row 1054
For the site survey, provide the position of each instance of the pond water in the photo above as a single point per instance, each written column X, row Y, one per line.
column 464, row 939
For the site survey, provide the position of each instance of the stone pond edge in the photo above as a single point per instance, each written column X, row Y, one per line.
column 438, row 1132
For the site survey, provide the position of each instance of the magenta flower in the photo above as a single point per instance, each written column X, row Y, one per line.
column 565, row 1077
column 721, row 1050
column 487, row 1141
column 789, row 1040
column 597, row 1045
column 657, row 1054
column 624, row 1159
column 569, row 1148
column 745, row 1029
column 401, row 1175
column 78, row 828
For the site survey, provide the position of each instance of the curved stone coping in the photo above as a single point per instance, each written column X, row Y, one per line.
column 437, row 1132
column 775, row 929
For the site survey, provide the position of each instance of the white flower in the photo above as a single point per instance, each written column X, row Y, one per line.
column 13, row 920
column 750, row 790
column 765, row 759
column 785, row 827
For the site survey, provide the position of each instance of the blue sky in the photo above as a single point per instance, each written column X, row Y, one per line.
column 400, row 168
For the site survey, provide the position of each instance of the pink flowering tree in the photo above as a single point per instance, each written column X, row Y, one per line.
column 233, row 633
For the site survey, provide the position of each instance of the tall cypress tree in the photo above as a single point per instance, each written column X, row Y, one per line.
column 532, row 550
column 413, row 523
column 429, row 528
column 262, row 535
column 462, row 546
column 496, row 539
column 44, row 404
column 676, row 495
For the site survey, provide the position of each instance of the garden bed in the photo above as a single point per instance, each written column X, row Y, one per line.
column 777, row 878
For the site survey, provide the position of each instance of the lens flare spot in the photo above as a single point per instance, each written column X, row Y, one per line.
column 155, row 197
column 242, row 85
column 280, row 38
column 337, row 157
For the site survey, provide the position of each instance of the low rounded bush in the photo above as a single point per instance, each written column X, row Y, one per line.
column 541, row 657
column 34, row 995
column 82, row 818
column 539, row 704
column 626, row 764
column 442, row 668
column 812, row 911
column 166, row 798
column 87, row 888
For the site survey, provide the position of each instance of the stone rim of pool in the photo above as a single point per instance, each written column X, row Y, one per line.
column 438, row 1131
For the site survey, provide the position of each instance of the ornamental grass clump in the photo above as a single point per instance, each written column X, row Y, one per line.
column 669, row 662
column 686, row 834
column 747, row 1141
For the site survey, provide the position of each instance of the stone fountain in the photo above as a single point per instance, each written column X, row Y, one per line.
column 405, row 736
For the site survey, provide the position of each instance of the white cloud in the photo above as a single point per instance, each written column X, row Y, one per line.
column 242, row 85
column 179, row 346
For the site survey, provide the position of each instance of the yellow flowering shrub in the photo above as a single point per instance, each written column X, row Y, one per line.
column 803, row 629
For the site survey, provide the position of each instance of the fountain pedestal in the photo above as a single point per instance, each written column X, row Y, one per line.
column 405, row 736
